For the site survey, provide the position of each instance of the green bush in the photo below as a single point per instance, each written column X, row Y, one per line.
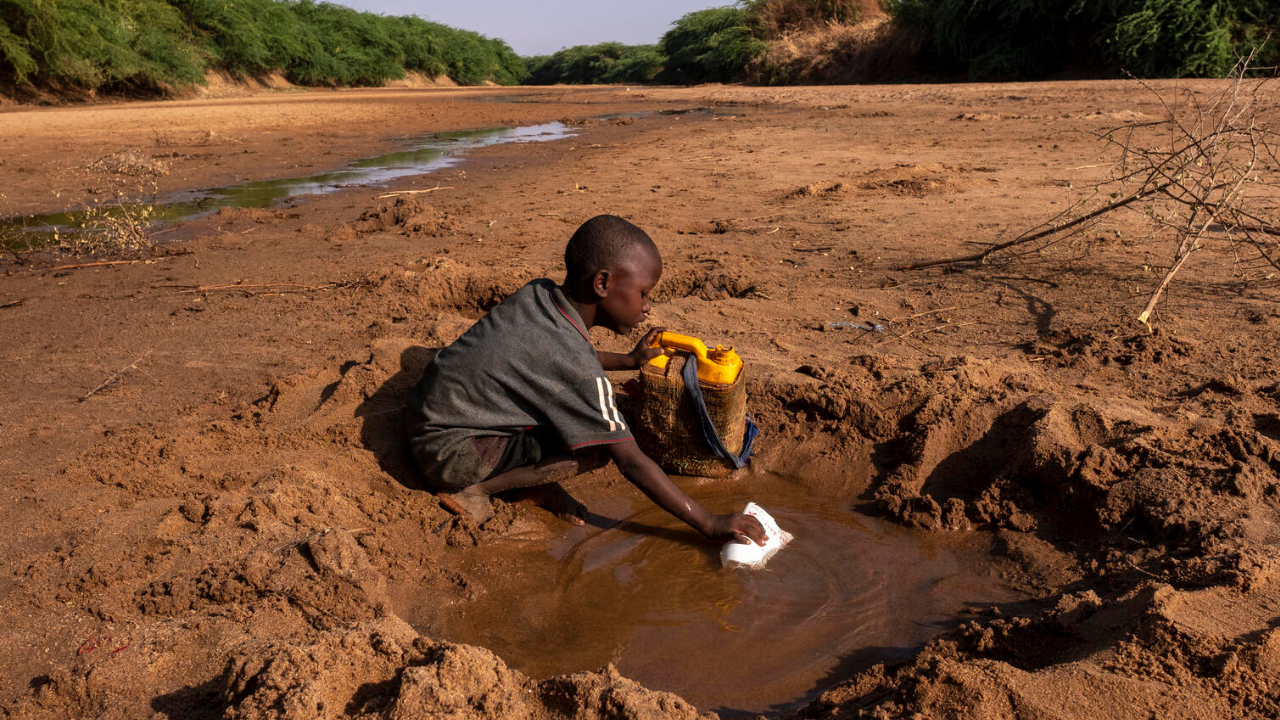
column 604, row 63
column 1173, row 38
column 13, row 52
column 420, row 42
column 471, row 58
column 352, row 47
column 714, row 45
column 1032, row 38
column 153, row 45
column 123, row 45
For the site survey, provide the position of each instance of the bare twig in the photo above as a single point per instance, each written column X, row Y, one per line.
column 260, row 287
column 1190, row 243
column 920, row 315
column 115, row 376
column 936, row 328
column 276, row 287
column 1054, row 230
column 902, row 337
column 12, row 303
column 1198, row 185
column 415, row 192
column 77, row 266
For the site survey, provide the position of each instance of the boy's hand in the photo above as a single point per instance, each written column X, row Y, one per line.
column 649, row 478
column 635, row 359
column 742, row 529
column 645, row 350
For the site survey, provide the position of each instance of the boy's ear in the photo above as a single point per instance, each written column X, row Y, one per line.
column 600, row 283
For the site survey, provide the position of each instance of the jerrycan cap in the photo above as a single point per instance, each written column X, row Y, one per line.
column 720, row 365
column 722, row 355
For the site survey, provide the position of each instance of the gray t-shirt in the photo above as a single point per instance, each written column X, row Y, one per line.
column 528, row 363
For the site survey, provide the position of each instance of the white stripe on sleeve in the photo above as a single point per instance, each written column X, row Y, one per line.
column 613, row 406
column 604, row 411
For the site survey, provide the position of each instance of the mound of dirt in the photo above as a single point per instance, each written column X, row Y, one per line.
column 715, row 226
column 818, row 189
column 1166, row 665
column 383, row 669
column 914, row 180
column 258, row 216
column 406, row 215
column 707, row 285
column 986, row 116
column 973, row 444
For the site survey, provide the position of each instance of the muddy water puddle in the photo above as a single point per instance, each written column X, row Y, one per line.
column 638, row 589
column 427, row 154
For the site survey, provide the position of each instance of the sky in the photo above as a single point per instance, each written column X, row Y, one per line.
column 542, row 27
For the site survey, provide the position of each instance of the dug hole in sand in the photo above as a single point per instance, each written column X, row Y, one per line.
column 632, row 589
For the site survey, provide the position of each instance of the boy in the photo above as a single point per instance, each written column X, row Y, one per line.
column 521, row 399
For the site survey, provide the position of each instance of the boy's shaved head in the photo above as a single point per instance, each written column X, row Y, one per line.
column 605, row 242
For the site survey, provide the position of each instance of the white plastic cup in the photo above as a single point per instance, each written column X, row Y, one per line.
column 751, row 555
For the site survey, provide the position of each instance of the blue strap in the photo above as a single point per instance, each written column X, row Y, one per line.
column 709, row 430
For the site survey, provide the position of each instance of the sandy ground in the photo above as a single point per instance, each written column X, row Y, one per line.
column 231, row 530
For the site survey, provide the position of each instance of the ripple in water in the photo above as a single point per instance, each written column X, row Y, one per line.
column 648, row 595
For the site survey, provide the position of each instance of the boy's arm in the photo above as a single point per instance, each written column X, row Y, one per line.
column 643, row 353
column 646, row 475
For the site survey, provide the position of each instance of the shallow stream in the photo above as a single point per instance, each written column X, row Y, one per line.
column 428, row 154
column 637, row 588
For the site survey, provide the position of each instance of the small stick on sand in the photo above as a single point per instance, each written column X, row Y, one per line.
column 415, row 192
column 1144, row 572
column 918, row 315
column 116, row 376
column 77, row 266
column 263, row 287
column 12, row 303
column 909, row 333
column 269, row 287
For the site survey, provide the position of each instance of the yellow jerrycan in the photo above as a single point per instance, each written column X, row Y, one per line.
column 692, row 408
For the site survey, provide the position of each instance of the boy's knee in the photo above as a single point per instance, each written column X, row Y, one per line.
column 590, row 459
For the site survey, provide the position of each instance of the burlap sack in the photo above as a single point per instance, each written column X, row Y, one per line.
column 666, row 426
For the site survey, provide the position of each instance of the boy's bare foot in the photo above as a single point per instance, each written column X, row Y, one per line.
column 470, row 503
column 556, row 500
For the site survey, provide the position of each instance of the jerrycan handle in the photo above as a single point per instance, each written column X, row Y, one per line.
column 720, row 365
column 676, row 341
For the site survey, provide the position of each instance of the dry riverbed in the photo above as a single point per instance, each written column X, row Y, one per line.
column 210, row 513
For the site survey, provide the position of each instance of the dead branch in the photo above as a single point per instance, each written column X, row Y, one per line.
column 12, row 303
column 115, row 376
column 1190, row 242
column 1054, row 230
column 1199, row 184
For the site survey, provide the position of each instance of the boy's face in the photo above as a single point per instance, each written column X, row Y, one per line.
column 624, row 292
